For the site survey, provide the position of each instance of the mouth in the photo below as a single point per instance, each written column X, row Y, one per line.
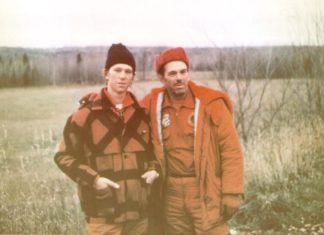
column 121, row 84
column 179, row 85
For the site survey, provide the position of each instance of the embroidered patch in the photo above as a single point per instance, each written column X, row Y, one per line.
column 166, row 120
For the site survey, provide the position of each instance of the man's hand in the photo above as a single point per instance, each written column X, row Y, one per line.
column 102, row 183
column 230, row 205
column 150, row 176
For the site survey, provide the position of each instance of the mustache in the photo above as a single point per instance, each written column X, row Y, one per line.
column 179, row 83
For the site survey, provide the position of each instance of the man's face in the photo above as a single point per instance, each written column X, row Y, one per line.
column 175, row 79
column 119, row 78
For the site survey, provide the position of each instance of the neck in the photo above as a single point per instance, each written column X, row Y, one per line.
column 118, row 98
column 177, row 99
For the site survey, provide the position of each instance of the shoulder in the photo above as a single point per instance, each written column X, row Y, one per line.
column 219, row 111
column 86, row 103
column 80, row 116
column 88, row 99
column 208, row 95
column 151, row 96
column 217, row 103
column 211, row 97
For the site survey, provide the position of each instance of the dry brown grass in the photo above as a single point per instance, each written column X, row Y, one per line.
column 35, row 197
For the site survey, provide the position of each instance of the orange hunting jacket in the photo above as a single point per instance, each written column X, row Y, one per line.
column 217, row 151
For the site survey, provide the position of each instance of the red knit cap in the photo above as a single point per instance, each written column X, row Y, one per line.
column 169, row 55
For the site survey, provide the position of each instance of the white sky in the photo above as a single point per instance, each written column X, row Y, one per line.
column 194, row 23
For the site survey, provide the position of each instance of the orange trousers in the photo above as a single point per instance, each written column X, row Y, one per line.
column 96, row 226
column 183, row 213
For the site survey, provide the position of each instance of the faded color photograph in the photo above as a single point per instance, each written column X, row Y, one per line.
column 162, row 117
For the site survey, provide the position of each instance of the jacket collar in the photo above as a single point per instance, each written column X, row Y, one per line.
column 101, row 101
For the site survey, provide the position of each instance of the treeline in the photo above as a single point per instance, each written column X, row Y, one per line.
column 33, row 67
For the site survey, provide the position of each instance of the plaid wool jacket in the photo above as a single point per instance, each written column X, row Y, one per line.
column 98, row 142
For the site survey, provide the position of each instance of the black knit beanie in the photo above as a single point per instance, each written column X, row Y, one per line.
column 119, row 54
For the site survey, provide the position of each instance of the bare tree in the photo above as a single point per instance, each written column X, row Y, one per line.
column 311, row 60
column 253, row 113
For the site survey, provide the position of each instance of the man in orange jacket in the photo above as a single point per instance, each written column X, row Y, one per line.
column 197, row 147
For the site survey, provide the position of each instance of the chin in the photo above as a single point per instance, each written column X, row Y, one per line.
column 121, row 91
column 181, row 91
column 179, row 94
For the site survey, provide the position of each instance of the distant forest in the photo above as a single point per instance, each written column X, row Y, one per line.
column 83, row 65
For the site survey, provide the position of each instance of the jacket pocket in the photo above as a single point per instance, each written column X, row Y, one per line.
column 103, row 193
column 105, row 201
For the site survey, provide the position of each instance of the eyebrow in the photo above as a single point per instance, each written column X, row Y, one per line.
column 126, row 69
column 178, row 71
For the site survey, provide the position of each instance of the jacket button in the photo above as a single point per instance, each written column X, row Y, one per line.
column 143, row 132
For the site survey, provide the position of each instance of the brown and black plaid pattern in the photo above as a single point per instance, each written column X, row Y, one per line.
column 98, row 142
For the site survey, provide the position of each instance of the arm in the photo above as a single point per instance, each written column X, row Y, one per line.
column 152, row 173
column 69, row 156
column 146, row 103
column 230, row 150
column 231, row 157
column 153, row 170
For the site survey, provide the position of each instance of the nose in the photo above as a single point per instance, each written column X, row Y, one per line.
column 122, row 74
column 179, row 77
column 178, row 80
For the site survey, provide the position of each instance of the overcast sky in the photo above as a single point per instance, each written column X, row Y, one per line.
column 188, row 23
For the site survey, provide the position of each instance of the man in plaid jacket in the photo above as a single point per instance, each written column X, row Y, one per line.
column 106, row 149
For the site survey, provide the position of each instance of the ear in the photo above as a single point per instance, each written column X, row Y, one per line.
column 104, row 72
column 131, row 82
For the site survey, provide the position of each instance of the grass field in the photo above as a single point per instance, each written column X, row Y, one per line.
column 284, row 168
